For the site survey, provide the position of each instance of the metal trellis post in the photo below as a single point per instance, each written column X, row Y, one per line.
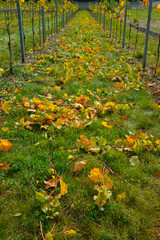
column 147, row 34
column 111, row 19
column 21, row 34
column 43, row 25
column 124, row 30
column 56, row 16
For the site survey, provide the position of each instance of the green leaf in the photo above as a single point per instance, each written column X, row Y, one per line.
column 17, row 214
column 49, row 236
column 134, row 160
column 41, row 197
column 102, row 141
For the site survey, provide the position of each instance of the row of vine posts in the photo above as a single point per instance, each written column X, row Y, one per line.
column 39, row 14
column 112, row 16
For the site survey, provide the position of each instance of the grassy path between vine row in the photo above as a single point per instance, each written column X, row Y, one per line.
column 78, row 108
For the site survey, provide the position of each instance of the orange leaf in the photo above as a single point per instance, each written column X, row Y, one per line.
column 5, row 145
column 37, row 101
column 96, row 175
column 124, row 117
column 156, row 92
column 4, row 166
column 82, row 99
column 107, row 182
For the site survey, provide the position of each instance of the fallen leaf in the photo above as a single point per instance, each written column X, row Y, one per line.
column 5, row 145
column 49, row 236
column 94, row 150
column 120, row 196
column 107, row 182
column 96, row 175
column 50, row 183
column 106, row 125
column 41, row 196
column 4, row 166
column 102, row 141
column 44, row 127
column 5, row 129
column 70, row 232
column 79, row 165
column 17, row 214
column 124, row 117
column 134, row 160
column 64, row 187
column 70, row 157
column 156, row 92
column 6, row 106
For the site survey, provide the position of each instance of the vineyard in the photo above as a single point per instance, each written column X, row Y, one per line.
column 79, row 123
column 38, row 21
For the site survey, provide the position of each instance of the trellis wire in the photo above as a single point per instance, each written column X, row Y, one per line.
column 42, row 22
column 113, row 31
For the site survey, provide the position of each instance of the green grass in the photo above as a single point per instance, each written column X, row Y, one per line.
column 14, row 34
column 81, row 49
column 141, row 16
column 136, row 48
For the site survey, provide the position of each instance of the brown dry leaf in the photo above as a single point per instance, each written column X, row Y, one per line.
column 44, row 127
column 79, row 165
column 77, row 105
column 50, row 183
column 94, row 150
column 76, row 123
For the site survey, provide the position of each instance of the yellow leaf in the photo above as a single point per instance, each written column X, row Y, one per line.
column 70, row 232
column 49, row 236
column 92, row 143
column 107, row 182
column 70, row 157
column 120, row 196
column 79, row 165
column 93, row 150
column 96, row 175
column 157, row 141
column 64, row 187
column 118, row 140
column 37, row 101
column 51, row 170
column 99, row 90
column 106, row 125
column 5, row 129
column 6, row 106
column 57, row 88
column 5, row 145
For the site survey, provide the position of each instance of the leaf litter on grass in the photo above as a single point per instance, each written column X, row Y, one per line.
column 86, row 109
